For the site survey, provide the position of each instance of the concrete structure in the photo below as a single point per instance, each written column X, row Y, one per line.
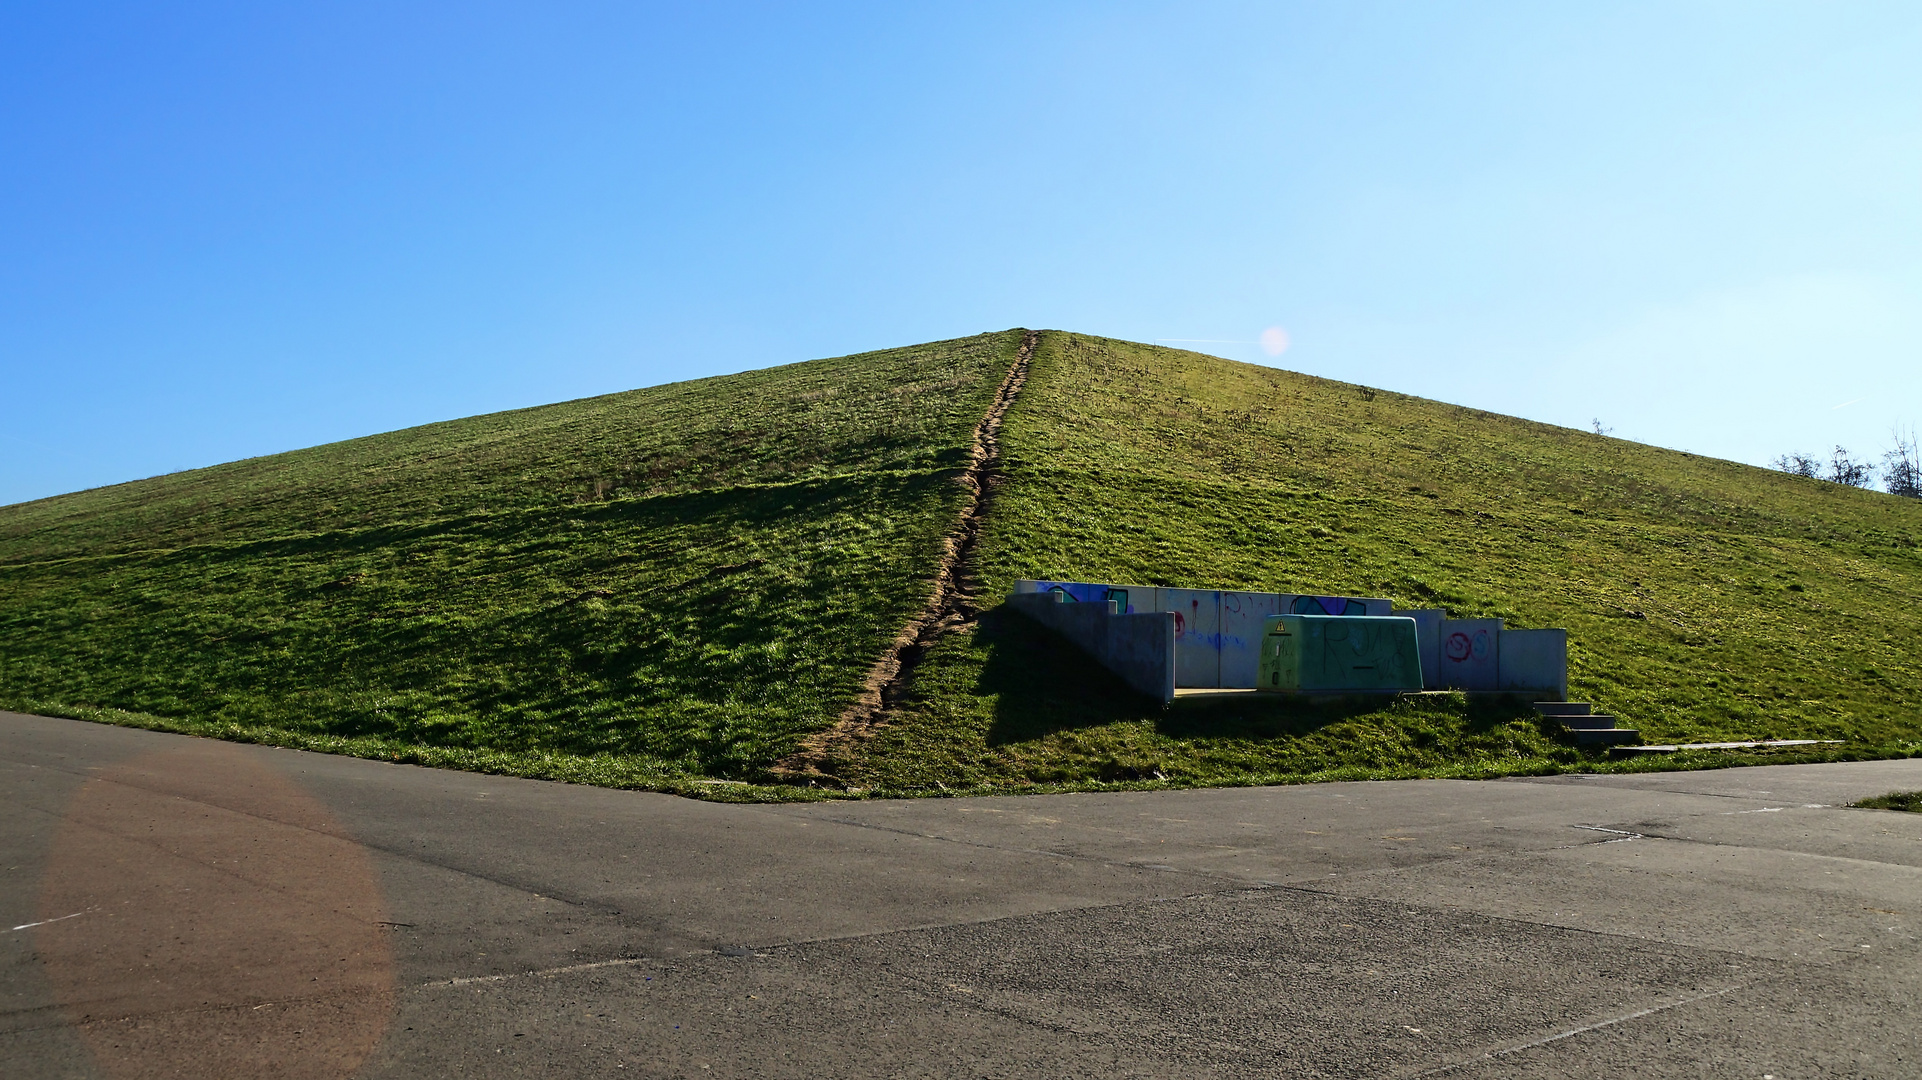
column 1370, row 653
column 1217, row 633
column 1138, row 646
column 1533, row 660
column 1428, row 642
column 1471, row 654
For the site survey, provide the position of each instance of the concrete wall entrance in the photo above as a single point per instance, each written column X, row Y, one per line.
column 1215, row 636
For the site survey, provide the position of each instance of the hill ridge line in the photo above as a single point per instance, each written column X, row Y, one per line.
column 950, row 603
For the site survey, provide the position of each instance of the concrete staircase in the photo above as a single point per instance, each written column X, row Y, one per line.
column 1589, row 728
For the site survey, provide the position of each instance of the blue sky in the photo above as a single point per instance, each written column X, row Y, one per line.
column 232, row 229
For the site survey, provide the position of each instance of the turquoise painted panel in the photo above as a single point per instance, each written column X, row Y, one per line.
column 1339, row 652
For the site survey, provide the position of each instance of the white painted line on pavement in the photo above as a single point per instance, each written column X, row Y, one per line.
column 43, row 922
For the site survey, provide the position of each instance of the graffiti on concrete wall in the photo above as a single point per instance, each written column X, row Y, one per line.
column 1470, row 653
column 1217, row 632
column 1327, row 605
column 1462, row 646
column 1079, row 592
column 1218, row 635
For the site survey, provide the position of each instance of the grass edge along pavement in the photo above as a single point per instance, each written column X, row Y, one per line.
column 1126, row 462
column 1906, row 801
column 618, row 773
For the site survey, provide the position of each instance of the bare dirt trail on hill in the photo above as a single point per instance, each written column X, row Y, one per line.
column 951, row 603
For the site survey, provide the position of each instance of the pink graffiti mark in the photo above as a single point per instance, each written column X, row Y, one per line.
column 1459, row 647
column 1180, row 623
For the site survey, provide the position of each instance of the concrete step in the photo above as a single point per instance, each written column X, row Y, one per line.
column 1562, row 708
column 1605, row 736
column 1594, row 722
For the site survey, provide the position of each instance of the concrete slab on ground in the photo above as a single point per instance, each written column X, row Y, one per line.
column 241, row 910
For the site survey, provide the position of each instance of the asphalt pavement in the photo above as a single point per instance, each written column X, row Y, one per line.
column 183, row 907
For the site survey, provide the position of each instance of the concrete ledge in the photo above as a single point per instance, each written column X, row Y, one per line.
column 1202, row 693
column 1672, row 748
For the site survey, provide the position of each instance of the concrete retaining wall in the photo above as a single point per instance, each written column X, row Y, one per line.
column 1535, row 660
column 1139, row 647
column 1242, row 617
column 1471, row 654
column 1217, row 632
column 1217, row 635
column 1428, row 642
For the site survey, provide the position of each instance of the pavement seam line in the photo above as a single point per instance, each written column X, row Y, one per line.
column 1491, row 1055
column 543, row 973
column 1621, row 836
column 1646, row 942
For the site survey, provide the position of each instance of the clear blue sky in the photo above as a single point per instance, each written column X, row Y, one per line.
column 232, row 229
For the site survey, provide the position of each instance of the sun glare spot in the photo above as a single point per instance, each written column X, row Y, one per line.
column 1274, row 341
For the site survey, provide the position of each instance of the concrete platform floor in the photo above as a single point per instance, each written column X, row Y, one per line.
column 212, row 910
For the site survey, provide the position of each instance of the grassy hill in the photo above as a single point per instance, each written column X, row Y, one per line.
column 671, row 582
column 679, row 584
column 1705, row 600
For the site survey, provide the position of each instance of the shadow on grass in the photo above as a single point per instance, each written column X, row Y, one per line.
column 1043, row 684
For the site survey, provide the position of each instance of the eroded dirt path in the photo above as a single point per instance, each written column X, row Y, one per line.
column 951, row 603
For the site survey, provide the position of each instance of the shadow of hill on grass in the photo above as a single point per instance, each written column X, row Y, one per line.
column 1041, row 684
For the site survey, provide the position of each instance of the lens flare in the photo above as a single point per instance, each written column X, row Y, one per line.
column 1274, row 341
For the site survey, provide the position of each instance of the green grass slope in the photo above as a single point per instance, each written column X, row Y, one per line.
column 678, row 584
column 1705, row 600
column 679, row 581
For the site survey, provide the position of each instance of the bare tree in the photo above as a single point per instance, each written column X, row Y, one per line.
column 1902, row 467
column 1599, row 429
column 1852, row 473
column 1798, row 465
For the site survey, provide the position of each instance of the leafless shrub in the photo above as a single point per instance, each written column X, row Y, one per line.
column 1902, row 467
column 1853, row 473
column 1803, row 465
